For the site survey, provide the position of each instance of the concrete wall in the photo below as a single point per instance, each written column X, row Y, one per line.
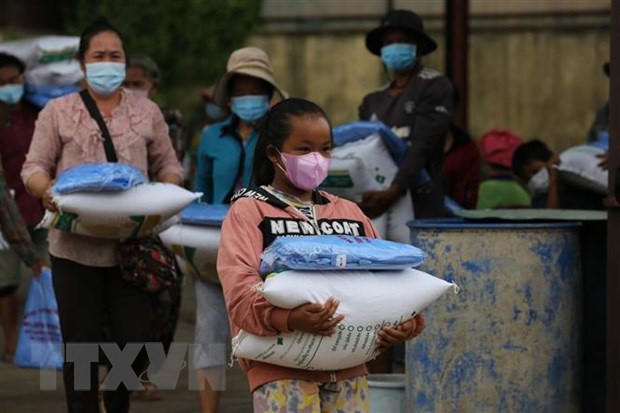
column 539, row 75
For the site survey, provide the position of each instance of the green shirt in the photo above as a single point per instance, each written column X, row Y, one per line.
column 502, row 193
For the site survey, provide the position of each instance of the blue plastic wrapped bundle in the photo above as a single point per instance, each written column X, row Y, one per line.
column 338, row 252
column 98, row 177
column 209, row 215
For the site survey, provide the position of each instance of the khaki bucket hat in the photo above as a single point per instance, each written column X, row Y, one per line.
column 250, row 61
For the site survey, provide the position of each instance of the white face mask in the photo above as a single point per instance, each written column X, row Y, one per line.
column 539, row 182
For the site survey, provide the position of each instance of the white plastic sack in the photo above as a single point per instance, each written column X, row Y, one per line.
column 358, row 167
column 368, row 300
column 366, row 165
column 43, row 50
column 579, row 166
column 397, row 218
column 49, row 60
column 55, row 74
column 197, row 245
column 393, row 224
column 136, row 212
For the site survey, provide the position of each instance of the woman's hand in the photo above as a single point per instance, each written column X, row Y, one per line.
column 388, row 337
column 37, row 268
column 47, row 198
column 316, row 318
column 40, row 185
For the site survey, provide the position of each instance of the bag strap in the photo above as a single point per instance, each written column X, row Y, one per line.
column 108, row 145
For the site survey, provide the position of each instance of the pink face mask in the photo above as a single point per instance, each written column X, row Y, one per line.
column 305, row 171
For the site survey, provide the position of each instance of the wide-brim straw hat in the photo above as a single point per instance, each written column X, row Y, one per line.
column 249, row 61
column 403, row 20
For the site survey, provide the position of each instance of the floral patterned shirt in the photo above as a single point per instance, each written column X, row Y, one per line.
column 65, row 135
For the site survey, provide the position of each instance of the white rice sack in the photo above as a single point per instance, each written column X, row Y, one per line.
column 358, row 167
column 55, row 74
column 49, row 60
column 368, row 300
column 397, row 217
column 381, row 225
column 137, row 212
column 38, row 51
column 579, row 166
column 197, row 245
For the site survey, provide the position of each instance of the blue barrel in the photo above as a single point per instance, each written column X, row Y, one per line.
column 510, row 341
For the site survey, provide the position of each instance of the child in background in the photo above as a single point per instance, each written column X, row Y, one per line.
column 534, row 163
column 500, row 189
column 291, row 159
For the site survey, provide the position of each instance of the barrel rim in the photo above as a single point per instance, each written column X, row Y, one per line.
column 459, row 223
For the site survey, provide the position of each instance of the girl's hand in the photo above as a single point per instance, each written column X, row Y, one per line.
column 388, row 337
column 316, row 318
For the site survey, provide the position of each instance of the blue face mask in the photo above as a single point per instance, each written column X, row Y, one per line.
column 105, row 77
column 11, row 94
column 250, row 108
column 213, row 111
column 399, row 56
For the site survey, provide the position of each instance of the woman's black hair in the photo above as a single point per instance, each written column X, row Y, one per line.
column 10, row 60
column 274, row 129
column 99, row 25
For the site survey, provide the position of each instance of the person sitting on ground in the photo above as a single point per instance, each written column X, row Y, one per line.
column 500, row 189
column 535, row 164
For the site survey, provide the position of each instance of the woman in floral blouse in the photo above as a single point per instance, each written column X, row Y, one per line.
column 87, row 279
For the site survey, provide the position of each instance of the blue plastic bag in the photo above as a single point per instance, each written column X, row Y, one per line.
column 355, row 131
column 98, row 177
column 210, row 215
column 39, row 95
column 338, row 252
column 40, row 343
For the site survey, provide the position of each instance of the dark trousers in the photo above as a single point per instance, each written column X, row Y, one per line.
column 89, row 298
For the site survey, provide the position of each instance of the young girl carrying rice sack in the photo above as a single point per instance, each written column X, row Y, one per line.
column 291, row 159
